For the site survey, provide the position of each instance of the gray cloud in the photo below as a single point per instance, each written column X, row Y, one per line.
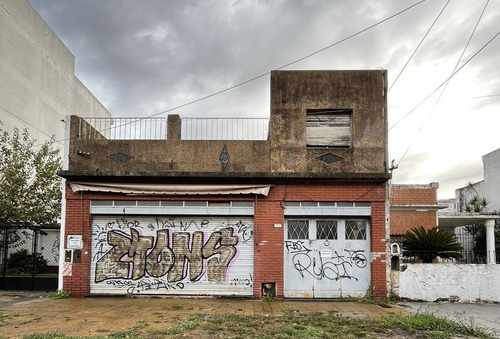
column 141, row 58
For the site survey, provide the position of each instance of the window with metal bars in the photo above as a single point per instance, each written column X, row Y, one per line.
column 326, row 229
column 355, row 229
column 298, row 229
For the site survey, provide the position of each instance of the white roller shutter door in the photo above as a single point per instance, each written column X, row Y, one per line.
column 175, row 255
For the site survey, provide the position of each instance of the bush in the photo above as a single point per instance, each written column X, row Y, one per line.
column 21, row 262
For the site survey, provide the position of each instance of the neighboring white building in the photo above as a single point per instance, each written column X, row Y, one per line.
column 37, row 82
column 489, row 188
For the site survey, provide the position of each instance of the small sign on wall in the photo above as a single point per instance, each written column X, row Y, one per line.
column 75, row 242
column 326, row 253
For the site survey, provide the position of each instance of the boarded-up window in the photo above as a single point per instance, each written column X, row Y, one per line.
column 328, row 127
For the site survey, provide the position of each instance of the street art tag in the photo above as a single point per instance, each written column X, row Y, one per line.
column 172, row 255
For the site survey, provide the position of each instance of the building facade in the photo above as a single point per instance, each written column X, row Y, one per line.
column 413, row 206
column 38, row 85
column 295, row 212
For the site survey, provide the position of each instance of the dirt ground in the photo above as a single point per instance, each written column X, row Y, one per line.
column 21, row 315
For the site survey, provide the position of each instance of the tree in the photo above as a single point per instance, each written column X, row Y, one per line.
column 30, row 190
column 428, row 244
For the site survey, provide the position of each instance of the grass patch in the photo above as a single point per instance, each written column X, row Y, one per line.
column 178, row 308
column 293, row 324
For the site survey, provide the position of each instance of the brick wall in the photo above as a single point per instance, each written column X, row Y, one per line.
column 402, row 221
column 268, row 240
column 413, row 196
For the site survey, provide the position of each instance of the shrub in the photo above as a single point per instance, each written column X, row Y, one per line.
column 428, row 244
column 22, row 262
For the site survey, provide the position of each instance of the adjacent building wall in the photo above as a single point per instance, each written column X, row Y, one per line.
column 465, row 283
column 413, row 206
column 37, row 82
column 491, row 170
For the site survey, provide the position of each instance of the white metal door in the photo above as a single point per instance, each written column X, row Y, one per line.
column 327, row 258
column 172, row 255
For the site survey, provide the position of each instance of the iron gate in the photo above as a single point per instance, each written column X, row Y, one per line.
column 29, row 258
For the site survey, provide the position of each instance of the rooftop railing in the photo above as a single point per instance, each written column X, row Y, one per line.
column 191, row 128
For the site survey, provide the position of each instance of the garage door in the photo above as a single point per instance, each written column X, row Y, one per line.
column 326, row 258
column 185, row 255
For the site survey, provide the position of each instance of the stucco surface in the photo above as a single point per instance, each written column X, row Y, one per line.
column 468, row 282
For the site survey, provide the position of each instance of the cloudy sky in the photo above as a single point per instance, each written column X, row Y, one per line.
column 140, row 58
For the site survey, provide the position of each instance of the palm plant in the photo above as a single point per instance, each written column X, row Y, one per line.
column 428, row 244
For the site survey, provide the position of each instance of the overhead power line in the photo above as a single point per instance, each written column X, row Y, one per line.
column 447, row 82
column 279, row 68
column 29, row 124
column 418, row 46
column 444, row 82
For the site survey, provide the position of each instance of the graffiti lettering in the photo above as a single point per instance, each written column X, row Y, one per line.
column 243, row 281
column 335, row 268
column 136, row 256
column 243, row 230
column 296, row 246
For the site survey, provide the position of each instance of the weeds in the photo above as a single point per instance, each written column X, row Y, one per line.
column 294, row 324
column 60, row 294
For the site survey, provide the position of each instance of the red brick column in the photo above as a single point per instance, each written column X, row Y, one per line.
column 268, row 242
column 78, row 223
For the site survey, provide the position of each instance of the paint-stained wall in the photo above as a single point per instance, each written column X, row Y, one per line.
column 284, row 154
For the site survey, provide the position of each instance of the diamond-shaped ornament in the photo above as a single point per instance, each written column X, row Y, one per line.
column 329, row 158
column 120, row 157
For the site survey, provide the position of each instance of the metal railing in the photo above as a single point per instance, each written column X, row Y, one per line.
column 225, row 129
column 191, row 128
column 123, row 128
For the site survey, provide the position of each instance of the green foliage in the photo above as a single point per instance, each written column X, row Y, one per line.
column 21, row 262
column 30, row 190
column 478, row 231
column 60, row 294
column 477, row 205
column 428, row 244
column 268, row 298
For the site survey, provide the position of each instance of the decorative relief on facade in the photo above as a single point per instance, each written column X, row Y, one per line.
column 329, row 158
column 224, row 158
column 120, row 157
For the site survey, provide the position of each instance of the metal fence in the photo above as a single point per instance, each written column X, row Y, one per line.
column 225, row 129
column 123, row 128
column 191, row 128
column 468, row 255
column 29, row 258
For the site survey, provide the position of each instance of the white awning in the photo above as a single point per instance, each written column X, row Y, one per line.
column 158, row 189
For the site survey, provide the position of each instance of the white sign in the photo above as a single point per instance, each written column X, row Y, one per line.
column 326, row 253
column 75, row 242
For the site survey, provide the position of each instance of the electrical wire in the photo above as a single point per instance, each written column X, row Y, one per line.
column 418, row 46
column 31, row 125
column 279, row 68
column 447, row 82
column 444, row 82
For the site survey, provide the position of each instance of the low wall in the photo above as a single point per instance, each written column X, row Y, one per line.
column 466, row 283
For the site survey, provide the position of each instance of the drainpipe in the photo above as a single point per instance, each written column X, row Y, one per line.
column 490, row 241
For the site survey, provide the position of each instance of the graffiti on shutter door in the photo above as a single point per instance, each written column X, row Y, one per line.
column 172, row 255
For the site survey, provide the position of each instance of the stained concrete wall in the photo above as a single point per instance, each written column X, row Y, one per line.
column 467, row 282
column 284, row 155
column 295, row 92
column 37, row 81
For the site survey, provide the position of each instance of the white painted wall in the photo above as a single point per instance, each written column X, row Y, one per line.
column 469, row 282
column 37, row 81
column 491, row 169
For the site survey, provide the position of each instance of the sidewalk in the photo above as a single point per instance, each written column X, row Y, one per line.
column 93, row 315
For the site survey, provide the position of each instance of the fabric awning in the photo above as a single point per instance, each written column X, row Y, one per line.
column 171, row 189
